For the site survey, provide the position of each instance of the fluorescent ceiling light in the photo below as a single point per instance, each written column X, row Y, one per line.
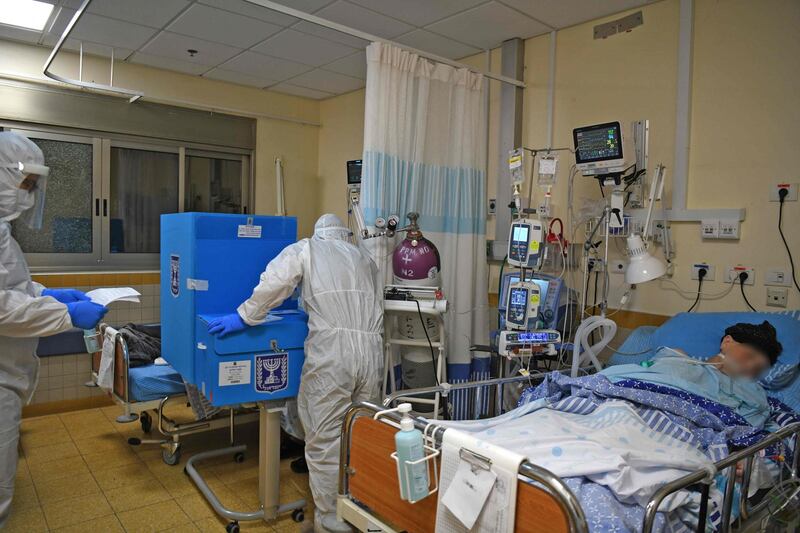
column 28, row 14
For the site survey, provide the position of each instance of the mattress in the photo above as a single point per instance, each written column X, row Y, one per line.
column 153, row 382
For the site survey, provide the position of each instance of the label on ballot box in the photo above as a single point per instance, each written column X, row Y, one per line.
column 234, row 373
column 272, row 372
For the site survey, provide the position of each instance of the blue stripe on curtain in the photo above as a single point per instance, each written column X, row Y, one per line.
column 448, row 200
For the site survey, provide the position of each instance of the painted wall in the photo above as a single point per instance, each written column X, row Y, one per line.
column 744, row 113
column 296, row 144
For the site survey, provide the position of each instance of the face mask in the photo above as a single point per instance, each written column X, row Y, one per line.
column 13, row 202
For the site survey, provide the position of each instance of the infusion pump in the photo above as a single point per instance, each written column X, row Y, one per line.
column 525, row 239
column 525, row 343
column 522, row 307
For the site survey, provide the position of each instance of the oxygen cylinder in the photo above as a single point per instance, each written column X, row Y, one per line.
column 416, row 261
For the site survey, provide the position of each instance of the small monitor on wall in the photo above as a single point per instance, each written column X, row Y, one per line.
column 598, row 149
column 354, row 172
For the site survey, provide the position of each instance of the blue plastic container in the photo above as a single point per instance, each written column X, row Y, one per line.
column 210, row 264
column 260, row 363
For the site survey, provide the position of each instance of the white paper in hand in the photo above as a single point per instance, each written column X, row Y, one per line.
column 114, row 294
column 467, row 493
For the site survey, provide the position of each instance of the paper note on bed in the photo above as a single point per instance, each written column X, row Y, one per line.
column 114, row 294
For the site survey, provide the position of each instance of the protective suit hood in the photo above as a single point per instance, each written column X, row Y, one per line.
column 19, row 157
column 330, row 227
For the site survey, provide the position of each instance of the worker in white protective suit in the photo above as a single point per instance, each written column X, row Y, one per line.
column 27, row 310
column 344, row 349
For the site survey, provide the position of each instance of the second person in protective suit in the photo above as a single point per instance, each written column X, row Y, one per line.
column 27, row 310
column 343, row 297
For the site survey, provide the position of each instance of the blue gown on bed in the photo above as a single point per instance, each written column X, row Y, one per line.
column 674, row 369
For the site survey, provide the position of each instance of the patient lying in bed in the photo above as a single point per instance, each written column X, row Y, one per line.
column 729, row 378
column 619, row 435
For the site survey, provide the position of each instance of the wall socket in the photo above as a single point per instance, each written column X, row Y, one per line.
column 777, row 276
column 709, row 271
column 777, row 296
column 732, row 273
column 617, row 266
column 491, row 206
column 775, row 189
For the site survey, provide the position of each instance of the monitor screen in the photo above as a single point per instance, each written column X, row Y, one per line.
column 513, row 277
column 520, row 233
column 533, row 336
column 354, row 172
column 602, row 142
column 519, row 297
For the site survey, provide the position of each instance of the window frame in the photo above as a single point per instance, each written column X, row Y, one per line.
column 101, row 258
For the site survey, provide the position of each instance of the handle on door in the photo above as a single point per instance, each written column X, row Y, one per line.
column 97, row 207
column 105, row 207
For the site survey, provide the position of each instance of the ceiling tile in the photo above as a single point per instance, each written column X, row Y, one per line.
column 62, row 19
column 309, row 6
column 322, row 80
column 240, row 78
column 175, row 46
column 260, row 65
column 104, row 30
column 154, row 13
column 168, row 63
column 354, row 65
column 300, row 91
column 488, row 25
column 420, row 12
column 430, row 42
column 332, row 35
column 560, row 14
column 222, row 26
column 303, row 48
column 251, row 10
column 364, row 19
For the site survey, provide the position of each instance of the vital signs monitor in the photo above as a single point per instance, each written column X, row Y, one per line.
column 598, row 149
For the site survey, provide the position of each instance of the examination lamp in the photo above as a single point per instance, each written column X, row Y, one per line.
column 642, row 267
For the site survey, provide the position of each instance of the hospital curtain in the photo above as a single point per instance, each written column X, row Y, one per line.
column 425, row 151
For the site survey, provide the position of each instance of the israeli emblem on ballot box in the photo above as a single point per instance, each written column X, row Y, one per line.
column 272, row 372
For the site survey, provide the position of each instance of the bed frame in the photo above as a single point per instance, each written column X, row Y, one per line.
column 369, row 497
column 171, row 430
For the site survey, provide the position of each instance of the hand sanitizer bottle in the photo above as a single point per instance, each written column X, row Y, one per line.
column 410, row 448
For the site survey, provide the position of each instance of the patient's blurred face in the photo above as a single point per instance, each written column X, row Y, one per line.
column 746, row 360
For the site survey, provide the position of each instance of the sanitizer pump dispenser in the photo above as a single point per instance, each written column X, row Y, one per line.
column 410, row 448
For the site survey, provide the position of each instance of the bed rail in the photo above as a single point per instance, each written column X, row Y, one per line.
column 700, row 477
column 555, row 486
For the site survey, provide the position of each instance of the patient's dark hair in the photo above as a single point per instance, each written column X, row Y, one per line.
column 762, row 337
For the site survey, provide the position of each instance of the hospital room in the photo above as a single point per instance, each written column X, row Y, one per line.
column 392, row 266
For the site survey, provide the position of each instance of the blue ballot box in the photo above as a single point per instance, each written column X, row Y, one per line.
column 210, row 264
column 260, row 363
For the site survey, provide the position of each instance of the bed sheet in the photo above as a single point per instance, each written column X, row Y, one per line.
column 153, row 382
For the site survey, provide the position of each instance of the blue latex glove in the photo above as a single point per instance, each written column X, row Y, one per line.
column 66, row 296
column 225, row 325
column 86, row 315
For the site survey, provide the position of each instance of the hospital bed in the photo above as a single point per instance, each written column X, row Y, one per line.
column 144, row 392
column 369, row 497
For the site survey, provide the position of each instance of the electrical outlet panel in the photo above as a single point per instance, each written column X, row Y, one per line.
column 709, row 229
column 595, row 264
column 732, row 273
column 777, row 276
column 728, row 229
column 545, row 210
column 709, row 271
column 617, row 266
column 492, row 206
column 777, row 296
column 774, row 192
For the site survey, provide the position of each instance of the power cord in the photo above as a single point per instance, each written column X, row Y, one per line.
column 430, row 344
column 782, row 194
column 701, row 273
column 742, row 278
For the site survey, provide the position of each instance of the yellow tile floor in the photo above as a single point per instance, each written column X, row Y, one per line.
column 77, row 473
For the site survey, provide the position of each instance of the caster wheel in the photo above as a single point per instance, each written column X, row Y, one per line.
column 171, row 458
column 233, row 527
column 298, row 515
column 238, row 458
column 146, row 422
